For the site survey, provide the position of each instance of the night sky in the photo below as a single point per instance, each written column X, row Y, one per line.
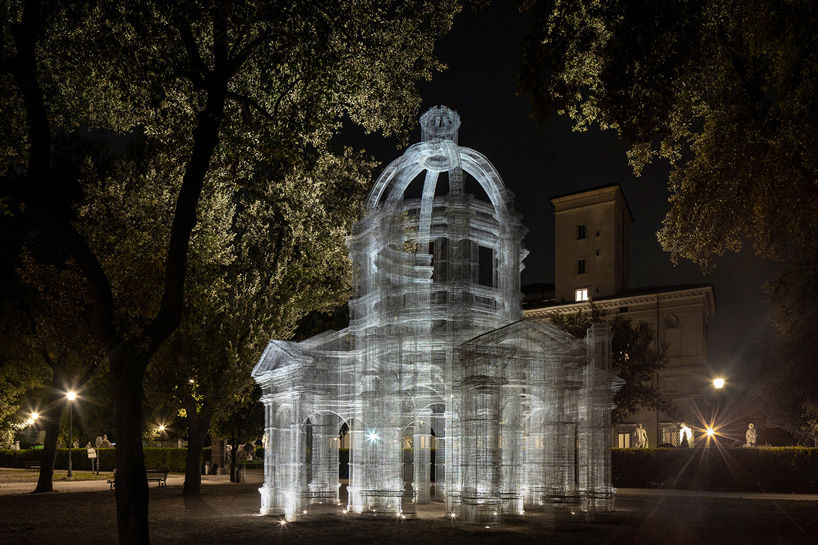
column 483, row 53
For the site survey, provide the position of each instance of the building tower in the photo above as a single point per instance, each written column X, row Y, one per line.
column 591, row 230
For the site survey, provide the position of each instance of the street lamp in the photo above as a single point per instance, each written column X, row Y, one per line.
column 32, row 434
column 71, row 397
column 715, row 409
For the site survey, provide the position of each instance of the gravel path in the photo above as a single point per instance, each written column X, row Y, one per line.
column 85, row 512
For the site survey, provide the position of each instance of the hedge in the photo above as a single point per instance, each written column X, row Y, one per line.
column 158, row 458
column 777, row 469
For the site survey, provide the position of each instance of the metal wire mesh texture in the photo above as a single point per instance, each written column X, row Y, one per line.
column 437, row 354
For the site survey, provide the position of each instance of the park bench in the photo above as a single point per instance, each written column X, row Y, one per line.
column 32, row 465
column 158, row 475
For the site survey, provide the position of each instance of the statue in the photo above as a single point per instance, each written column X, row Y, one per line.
column 640, row 437
column 249, row 451
column 105, row 443
column 751, row 436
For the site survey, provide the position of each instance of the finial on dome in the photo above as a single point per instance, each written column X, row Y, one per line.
column 439, row 123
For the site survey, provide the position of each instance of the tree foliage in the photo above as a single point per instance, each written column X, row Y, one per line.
column 725, row 90
column 633, row 356
column 789, row 384
column 223, row 92
column 259, row 262
column 244, row 423
column 47, row 345
column 22, row 370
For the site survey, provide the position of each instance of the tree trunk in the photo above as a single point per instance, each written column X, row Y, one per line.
column 197, row 433
column 131, row 479
column 50, row 419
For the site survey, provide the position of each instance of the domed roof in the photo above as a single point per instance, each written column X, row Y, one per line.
column 438, row 152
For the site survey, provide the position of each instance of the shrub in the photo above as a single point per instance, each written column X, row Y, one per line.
column 79, row 458
column 780, row 469
column 15, row 458
column 172, row 459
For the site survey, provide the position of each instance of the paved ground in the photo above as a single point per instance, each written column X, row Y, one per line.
column 84, row 512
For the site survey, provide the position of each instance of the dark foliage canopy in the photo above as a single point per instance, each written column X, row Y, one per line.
column 634, row 357
column 725, row 90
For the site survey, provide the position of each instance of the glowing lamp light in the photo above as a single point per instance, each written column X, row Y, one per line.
column 710, row 432
column 718, row 383
column 71, row 396
column 372, row 436
column 35, row 416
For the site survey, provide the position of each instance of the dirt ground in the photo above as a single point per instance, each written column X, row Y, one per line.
column 226, row 514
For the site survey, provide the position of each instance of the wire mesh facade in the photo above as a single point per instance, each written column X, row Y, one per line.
column 519, row 410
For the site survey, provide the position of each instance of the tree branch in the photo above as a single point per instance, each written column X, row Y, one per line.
column 241, row 57
column 284, row 93
column 205, row 140
column 246, row 103
column 39, row 173
column 193, row 50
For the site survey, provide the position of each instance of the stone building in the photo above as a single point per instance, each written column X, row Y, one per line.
column 436, row 347
column 591, row 264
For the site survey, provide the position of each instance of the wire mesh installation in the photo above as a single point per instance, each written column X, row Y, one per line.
column 436, row 354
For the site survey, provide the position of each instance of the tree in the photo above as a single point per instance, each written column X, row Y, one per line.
column 229, row 87
column 21, row 370
column 633, row 356
column 243, row 423
column 788, row 387
column 43, row 300
column 242, row 292
column 725, row 90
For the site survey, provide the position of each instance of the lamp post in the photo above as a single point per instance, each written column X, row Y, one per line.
column 32, row 433
column 71, row 397
column 715, row 407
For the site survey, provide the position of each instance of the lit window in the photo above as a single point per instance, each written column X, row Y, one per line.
column 581, row 266
column 580, row 231
column 581, row 294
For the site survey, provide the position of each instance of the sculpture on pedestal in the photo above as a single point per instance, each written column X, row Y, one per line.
column 640, row 437
column 751, row 436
